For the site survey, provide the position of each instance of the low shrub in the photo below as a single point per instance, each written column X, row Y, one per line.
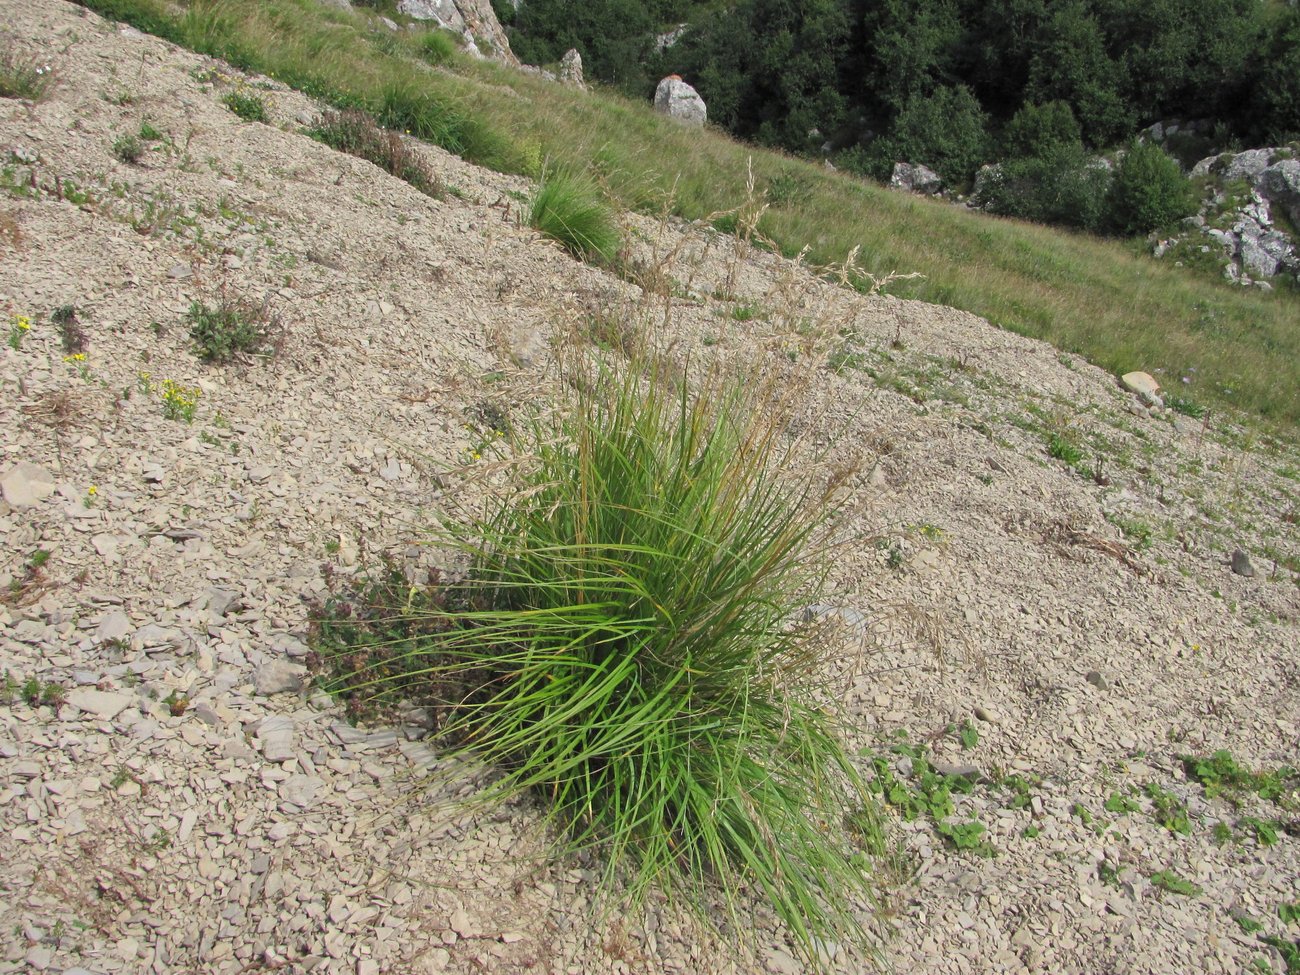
column 1037, row 130
column 356, row 133
column 946, row 130
column 1149, row 191
column 1063, row 186
column 570, row 209
column 624, row 645
column 128, row 148
column 231, row 326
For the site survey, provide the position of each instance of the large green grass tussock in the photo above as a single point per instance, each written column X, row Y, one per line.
column 1101, row 299
column 626, row 647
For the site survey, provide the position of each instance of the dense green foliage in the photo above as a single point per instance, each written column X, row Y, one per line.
column 1149, row 191
column 951, row 83
column 615, row 37
column 1116, row 64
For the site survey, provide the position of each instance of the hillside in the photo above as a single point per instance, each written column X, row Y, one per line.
column 1036, row 571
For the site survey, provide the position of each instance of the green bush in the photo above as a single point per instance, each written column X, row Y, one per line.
column 571, row 210
column 1149, row 191
column 1065, row 186
column 624, row 646
column 1037, row 130
column 946, row 131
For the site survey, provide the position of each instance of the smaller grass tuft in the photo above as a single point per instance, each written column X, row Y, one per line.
column 128, row 148
column 24, row 77
column 436, row 47
column 248, row 106
column 569, row 209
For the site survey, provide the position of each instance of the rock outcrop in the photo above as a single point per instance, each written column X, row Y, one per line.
column 571, row 68
column 678, row 100
column 1240, row 224
column 915, row 178
column 472, row 19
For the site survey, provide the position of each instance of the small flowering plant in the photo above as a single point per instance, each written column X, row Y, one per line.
column 178, row 402
column 92, row 493
column 19, row 326
column 78, row 361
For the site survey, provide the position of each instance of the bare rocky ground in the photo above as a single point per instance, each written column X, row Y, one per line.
column 191, row 806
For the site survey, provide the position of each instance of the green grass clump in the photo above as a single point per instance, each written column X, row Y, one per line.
column 623, row 647
column 356, row 133
column 570, row 209
column 246, row 105
column 436, row 46
column 21, row 77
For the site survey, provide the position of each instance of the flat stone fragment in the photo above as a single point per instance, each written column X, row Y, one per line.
column 25, row 485
column 1242, row 565
column 279, row 676
column 105, row 705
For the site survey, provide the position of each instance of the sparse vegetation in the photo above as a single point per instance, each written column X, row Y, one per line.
column 128, row 148
column 1170, row 881
column 23, row 77
column 356, row 133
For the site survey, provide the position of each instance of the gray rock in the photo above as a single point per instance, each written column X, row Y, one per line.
column 571, row 68
column 26, row 485
column 1248, row 164
column 105, row 705
column 301, row 790
column 1241, row 564
column 1280, row 185
column 1094, row 678
column 154, row 637
column 278, row 677
column 679, row 101
column 461, row 923
column 223, row 601
column 971, row 772
column 276, row 736
column 669, row 38
column 915, row 178
column 1205, row 166
column 442, row 12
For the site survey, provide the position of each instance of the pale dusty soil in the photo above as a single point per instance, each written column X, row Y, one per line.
column 260, row 832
